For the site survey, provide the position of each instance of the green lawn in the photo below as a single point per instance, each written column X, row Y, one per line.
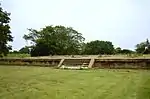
column 47, row 83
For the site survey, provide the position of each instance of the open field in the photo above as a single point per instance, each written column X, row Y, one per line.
column 46, row 83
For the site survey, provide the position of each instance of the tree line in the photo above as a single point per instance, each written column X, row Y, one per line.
column 60, row 40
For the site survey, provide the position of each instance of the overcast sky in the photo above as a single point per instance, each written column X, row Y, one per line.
column 124, row 22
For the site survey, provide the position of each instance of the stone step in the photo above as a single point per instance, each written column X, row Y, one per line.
column 91, row 63
column 61, row 62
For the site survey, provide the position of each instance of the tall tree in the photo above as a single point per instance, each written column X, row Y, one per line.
column 58, row 40
column 143, row 47
column 5, row 33
column 99, row 47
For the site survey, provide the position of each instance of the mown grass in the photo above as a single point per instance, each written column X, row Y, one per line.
column 47, row 83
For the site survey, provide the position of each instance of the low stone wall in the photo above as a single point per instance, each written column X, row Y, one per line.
column 34, row 62
column 98, row 63
column 122, row 63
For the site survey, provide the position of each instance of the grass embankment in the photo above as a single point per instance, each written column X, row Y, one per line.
column 17, row 55
column 46, row 83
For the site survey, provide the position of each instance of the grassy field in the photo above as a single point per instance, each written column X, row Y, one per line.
column 47, row 83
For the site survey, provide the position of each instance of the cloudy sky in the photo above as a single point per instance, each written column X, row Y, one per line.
column 124, row 22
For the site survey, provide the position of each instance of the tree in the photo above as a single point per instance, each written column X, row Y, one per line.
column 25, row 50
column 99, row 47
column 5, row 33
column 14, row 52
column 143, row 47
column 126, row 51
column 41, row 49
column 53, row 40
column 118, row 50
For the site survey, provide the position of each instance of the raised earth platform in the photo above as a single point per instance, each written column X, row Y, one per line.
column 81, row 62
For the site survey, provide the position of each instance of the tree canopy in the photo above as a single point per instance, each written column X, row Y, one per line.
column 5, row 33
column 118, row 50
column 53, row 40
column 25, row 50
column 143, row 47
column 99, row 47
